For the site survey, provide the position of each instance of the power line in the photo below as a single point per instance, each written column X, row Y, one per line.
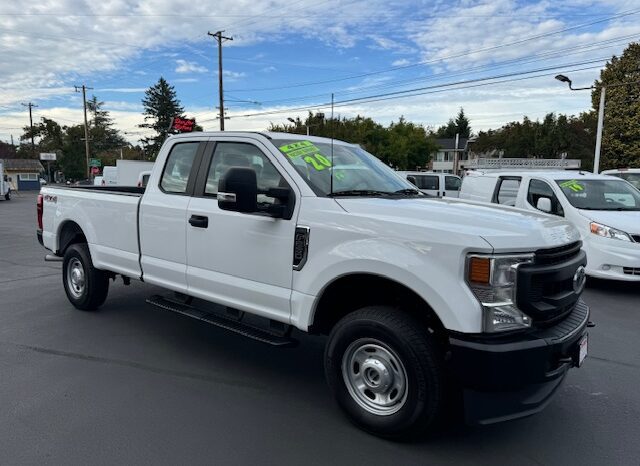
column 415, row 92
column 518, row 61
column 459, row 55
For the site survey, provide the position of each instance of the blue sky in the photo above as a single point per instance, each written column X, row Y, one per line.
column 288, row 55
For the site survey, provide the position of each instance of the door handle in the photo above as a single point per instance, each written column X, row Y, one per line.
column 199, row 221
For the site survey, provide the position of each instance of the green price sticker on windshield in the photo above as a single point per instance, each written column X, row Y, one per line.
column 573, row 185
column 308, row 152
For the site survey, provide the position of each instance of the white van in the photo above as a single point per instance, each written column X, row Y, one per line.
column 110, row 176
column 632, row 175
column 5, row 187
column 435, row 184
column 604, row 209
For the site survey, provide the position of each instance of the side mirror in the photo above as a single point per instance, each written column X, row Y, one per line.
column 544, row 204
column 238, row 190
column 412, row 180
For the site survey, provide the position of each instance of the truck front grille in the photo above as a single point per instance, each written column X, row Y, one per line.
column 631, row 270
column 545, row 289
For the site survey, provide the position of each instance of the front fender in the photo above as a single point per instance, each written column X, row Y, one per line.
column 433, row 273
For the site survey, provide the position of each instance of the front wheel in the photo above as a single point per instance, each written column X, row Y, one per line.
column 85, row 286
column 385, row 371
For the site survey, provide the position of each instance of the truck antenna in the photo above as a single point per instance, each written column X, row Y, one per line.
column 331, row 169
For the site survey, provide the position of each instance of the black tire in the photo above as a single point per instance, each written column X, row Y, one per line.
column 405, row 340
column 7, row 197
column 95, row 283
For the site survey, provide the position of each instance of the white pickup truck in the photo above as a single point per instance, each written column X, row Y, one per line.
column 422, row 299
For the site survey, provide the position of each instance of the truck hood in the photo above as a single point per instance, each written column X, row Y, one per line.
column 628, row 221
column 507, row 229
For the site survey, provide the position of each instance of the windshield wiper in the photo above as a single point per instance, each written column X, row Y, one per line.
column 410, row 191
column 359, row 192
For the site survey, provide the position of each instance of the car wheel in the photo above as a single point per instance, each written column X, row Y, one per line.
column 7, row 196
column 385, row 371
column 85, row 286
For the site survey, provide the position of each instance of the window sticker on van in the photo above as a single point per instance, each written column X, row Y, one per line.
column 573, row 185
column 308, row 152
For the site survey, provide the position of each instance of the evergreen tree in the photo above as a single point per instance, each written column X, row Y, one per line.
column 460, row 125
column 160, row 105
column 103, row 136
column 621, row 134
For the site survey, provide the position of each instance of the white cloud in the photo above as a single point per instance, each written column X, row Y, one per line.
column 400, row 62
column 185, row 66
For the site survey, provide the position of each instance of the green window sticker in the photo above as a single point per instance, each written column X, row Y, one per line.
column 309, row 153
column 573, row 185
column 298, row 149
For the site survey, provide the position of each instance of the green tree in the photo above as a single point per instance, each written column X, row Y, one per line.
column 621, row 134
column 104, row 137
column 460, row 125
column 160, row 104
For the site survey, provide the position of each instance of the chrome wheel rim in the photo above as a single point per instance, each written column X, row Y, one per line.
column 375, row 377
column 76, row 281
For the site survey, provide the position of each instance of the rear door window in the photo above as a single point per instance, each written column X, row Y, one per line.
column 507, row 191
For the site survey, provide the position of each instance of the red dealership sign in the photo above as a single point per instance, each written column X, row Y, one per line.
column 182, row 125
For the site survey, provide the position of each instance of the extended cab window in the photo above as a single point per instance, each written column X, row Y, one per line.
column 538, row 189
column 507, row 191
column 178, row 167
column 234, row 154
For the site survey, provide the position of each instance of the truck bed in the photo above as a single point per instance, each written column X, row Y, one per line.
column 108, row 216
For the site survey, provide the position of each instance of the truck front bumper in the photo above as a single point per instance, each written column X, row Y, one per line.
column 508, row 377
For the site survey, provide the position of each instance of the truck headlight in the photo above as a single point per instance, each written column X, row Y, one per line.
column 492, row 279
column 608, row 232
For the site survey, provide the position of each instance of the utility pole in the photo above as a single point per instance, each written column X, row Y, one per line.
column 33, row 145
column 220, row 39
column 86, row 125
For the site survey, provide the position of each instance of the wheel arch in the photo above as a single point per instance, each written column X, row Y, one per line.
column 350, row 292
column 69, row 233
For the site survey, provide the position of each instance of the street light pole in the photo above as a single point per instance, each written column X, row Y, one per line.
column 603, row 91
column 596, row 159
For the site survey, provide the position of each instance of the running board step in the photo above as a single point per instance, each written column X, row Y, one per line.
column 218, row 320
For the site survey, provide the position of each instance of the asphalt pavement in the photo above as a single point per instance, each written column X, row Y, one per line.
column 131, row 384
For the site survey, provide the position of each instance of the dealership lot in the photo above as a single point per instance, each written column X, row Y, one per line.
column 131, row 383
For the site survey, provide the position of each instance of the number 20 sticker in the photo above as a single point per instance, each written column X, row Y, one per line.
column 319, row 161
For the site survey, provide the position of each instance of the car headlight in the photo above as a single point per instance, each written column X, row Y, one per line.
column 608, row 232
column 492, row 279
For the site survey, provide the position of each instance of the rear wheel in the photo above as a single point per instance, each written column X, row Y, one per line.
column 85, row 286
column 385, row 371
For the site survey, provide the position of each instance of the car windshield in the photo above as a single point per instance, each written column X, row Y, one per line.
column 355, row 171
column 600, row 194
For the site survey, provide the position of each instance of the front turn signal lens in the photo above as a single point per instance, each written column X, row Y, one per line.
column 480, row 270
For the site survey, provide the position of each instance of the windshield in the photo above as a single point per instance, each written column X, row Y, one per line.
column 355, row 171
column 600, row 194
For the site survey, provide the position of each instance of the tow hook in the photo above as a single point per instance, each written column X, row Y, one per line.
column 590, row 324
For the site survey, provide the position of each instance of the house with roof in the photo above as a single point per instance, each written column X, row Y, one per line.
column 450, row 151
column 23, row 174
